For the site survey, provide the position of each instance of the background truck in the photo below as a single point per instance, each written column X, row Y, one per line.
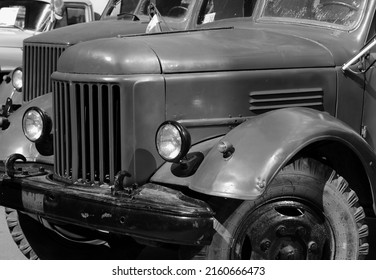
column 251, row 137
column 20, row 19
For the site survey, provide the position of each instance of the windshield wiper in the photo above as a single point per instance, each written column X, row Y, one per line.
column 135, row 17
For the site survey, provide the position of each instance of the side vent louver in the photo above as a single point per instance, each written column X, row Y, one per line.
column 262, row 101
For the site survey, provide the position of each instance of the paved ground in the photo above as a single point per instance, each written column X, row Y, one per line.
column 9, row 251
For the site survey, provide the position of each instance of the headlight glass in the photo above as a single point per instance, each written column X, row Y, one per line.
column 168, row 142
column 173, row 141
column 35, row 124
column 17, row 79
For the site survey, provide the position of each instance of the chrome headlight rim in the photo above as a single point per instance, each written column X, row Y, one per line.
column 17, row 79
column 184, row 136
column 46, row 122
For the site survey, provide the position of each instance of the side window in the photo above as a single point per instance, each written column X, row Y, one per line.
column 72, row 15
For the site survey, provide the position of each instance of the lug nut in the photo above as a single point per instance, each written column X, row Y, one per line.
column 281, row 230
column 265, row 245
column 301, row 231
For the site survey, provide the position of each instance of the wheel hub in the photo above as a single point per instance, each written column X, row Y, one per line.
column 284, row 230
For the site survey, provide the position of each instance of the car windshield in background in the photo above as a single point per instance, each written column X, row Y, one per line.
column 343, row 14
column 28, row 15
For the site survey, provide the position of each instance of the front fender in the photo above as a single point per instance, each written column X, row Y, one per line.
column 13, row 140
column 264, row 144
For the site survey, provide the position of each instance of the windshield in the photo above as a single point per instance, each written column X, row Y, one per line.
column 23, row 14
column 177, row 12
column 344, row 14
column 169, row 9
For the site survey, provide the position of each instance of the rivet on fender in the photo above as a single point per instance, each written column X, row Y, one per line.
column 260, row 183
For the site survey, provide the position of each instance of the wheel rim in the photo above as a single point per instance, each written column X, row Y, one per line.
column 285, row 229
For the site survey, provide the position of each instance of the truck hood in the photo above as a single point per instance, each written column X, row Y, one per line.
column 82, row 32
column 12, row 37
column 196, row 51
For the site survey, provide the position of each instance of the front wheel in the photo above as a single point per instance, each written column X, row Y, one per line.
column 307, row 212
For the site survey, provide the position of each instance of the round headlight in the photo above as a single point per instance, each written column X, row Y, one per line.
column 172, row 141
column 35, row 124
column 17, row 79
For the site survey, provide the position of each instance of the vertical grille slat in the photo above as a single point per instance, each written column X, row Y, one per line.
column 74, row 136
column 40, row 61
column 37, row 68
column 83, row 132
column 62, row 129
column 101, row 136
column 67, row 138
column 33, row 80
column 91, row 134
column 111, row 130
column 55, row 98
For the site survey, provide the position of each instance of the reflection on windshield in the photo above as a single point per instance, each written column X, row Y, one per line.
column 22, row 14
column 343, row 13
column 167, row 8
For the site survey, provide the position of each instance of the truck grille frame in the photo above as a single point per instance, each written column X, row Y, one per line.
column 39, row 62
column 87, row 131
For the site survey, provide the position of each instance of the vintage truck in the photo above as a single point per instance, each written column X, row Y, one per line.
column 20, row 19
column 250, row 137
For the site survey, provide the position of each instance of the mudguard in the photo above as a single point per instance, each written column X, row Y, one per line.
column 262, row 146
column 13, row 139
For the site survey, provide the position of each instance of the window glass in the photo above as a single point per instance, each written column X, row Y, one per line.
column 23, row 14
column 344, row 13
column 71, row 15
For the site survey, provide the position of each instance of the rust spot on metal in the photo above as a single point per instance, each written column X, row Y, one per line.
column 106, row 215
column 85, row 215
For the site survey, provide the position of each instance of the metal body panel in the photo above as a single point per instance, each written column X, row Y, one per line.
column 110, row 56
column 264, row 144
column 350, row 99
column 205, row 96
column 13, row 139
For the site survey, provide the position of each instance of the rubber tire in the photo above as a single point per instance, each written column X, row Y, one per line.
column 306, row 180
column 37, row 242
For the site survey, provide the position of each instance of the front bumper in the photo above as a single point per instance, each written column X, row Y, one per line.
column 151, row 212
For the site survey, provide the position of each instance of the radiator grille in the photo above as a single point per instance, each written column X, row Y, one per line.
column 87, row 138
column 40, row 60
column 262, row 101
